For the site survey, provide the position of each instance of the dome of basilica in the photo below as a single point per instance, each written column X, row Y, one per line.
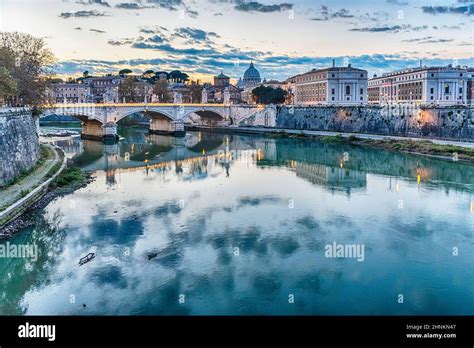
column 251, row 75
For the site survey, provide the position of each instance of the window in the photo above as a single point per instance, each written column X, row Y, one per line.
column 361, row 91
column 361, row 98
column 446, row 88
column 333, row 91
column 333, row 98
column 348, row 90
column 361, row 75
column 431, row 90
column 431, row 97
column 333, row 75
column 460, row 90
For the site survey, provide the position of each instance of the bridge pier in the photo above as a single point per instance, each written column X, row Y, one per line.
column 95, row 130
column 167, row 127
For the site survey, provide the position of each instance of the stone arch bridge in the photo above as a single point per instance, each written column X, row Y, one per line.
column 100, row 120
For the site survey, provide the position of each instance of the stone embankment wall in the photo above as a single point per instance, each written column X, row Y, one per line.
column 19, row 143
column 430, row 122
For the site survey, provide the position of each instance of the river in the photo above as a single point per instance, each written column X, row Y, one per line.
column 221, row 224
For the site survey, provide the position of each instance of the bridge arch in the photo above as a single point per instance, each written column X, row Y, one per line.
column 153, row 113
column 208, row 117
column 83, row 115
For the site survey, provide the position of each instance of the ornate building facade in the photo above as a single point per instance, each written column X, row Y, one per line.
column 424, row 85
column 335, row 85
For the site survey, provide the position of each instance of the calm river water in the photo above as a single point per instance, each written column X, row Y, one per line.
column 215, row 224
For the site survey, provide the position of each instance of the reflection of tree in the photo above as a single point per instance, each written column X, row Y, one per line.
column 150, row 152
column 21, row 275
column 208, row 142
column 93, row 151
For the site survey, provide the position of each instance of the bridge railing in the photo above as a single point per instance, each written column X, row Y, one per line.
column 62, row 105
column 209, row 105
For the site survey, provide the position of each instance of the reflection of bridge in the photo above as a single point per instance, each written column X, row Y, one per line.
column 158, row 151
column 99, row 120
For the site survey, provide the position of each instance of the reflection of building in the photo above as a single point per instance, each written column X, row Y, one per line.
column 335, row 85
column 331, row 177
column 424, row 85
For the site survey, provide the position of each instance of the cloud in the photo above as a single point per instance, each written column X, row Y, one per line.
column 428, row 40
column 155, row 30
column 192, row 13
column 131, row 6
column 390, row 29
column 121, row 42
column 97, row 31
column 159, row 38
column 93, row 2
column 325, row 14
column 172, row 5
column 254, row 6
column 82, row 14
column 398, row 2
column 448, row 27
column 171, row 49
column 278, row 67
column 193, row 33
column 467, row 10
column 156, row 39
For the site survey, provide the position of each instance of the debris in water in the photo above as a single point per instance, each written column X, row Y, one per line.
column 86, row 259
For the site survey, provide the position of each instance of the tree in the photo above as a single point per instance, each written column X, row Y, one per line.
column 269, row 95
column 29, row 63
column 148, row 74
column 8, row 86
column 127, row 90
column 85, row 74
column 178, row 76
column 162, row 92
column 124, row 72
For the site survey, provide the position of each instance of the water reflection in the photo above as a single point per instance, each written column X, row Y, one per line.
column 237, row 223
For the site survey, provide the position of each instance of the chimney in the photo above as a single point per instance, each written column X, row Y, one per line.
column 333, row 63
column 421, row 63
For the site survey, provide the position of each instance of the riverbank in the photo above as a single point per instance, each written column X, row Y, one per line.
column 49, row 178
column 69, row 180
column 438, row 148
column 24, row 183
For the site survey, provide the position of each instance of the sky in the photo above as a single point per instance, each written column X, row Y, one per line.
column 282, row 37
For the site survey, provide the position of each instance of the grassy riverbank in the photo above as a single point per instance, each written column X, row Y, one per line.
column 420, row 147
column 45, row 155
column 71, row 177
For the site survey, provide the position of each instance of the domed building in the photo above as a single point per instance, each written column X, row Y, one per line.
column 251, row 76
